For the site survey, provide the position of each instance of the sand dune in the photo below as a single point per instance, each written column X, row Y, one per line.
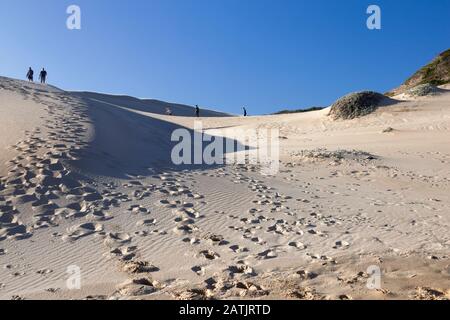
column 87, row 183
column 147, row 105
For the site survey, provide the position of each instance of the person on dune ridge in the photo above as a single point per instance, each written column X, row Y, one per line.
column 43, row 76
column 30, row 75
column 197, row 111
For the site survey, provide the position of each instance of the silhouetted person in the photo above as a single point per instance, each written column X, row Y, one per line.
column 30, row 75
column 245, row 111
column 43, row 75
column 197, row 111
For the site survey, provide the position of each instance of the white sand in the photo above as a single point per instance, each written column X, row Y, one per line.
column 82, row 187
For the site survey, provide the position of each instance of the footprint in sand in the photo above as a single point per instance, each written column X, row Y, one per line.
column 195, row 196
column 297, row 244
column 146, row 222
column 215, row 239
column 187, row 205
column 192, row 241
column 238, row 249
column 209, row 255
column 138, row 209
column 132, row 183
column 267, row 254
column 200, row 271
column 99, row 216
column 192, row 213
column 91, row 197
column 427, row 293
column 135, row 267
column 118, row 237
column 240, row 269
column 23, row 199
column 184, row 229
column 124, row 253
column 45, row 222
column 306, row 275
column 66, row 213
column 7, row 218
column 321, row 257
column 138, row 287
column 82, row 230
column 44, row 271
column 257, row 240
column 10, row 227
column 170, row 204
column 341, row 245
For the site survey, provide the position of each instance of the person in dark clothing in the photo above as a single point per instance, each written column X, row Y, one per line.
column 245, row 111
column 197, row 111
column 30, row 75
column 43, row 75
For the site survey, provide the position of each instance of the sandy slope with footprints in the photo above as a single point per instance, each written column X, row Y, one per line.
column 84, row 183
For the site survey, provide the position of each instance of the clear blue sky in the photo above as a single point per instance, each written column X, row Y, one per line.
column 266, row 55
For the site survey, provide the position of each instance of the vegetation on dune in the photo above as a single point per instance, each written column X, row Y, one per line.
column 299, row 110
column 436, row 73
column 356, row 105
column 422, row 90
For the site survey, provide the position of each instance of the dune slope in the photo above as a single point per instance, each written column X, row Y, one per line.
column 87, row 189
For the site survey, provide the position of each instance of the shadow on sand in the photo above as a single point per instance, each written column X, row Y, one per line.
column 148, row 105
column 127, row 144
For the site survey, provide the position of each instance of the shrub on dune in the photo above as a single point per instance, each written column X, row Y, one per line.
column 356, row 105
column 423, row 90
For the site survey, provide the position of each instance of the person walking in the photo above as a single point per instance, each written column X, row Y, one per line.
column 245, row 111
column 43, row 76
column 197, row 111
column 30, row 75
